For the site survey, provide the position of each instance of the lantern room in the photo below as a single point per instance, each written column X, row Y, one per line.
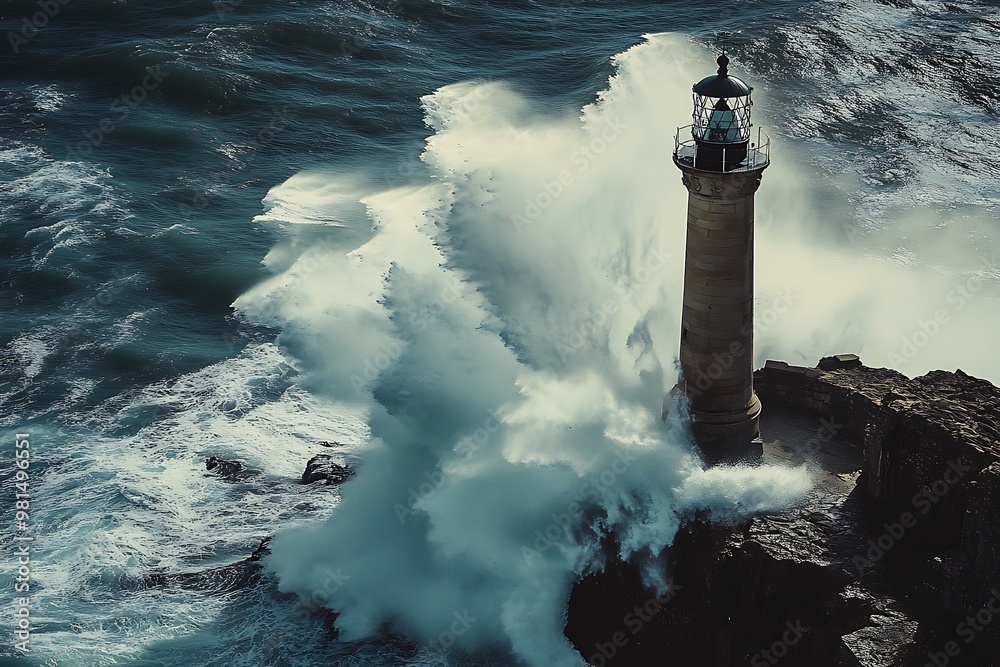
column 721, row 126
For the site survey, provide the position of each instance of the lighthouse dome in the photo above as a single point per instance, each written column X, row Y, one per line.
column 721, row 84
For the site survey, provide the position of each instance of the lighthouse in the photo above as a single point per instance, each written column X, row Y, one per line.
column 722, row 169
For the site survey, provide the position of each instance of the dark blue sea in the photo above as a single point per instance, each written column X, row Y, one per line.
column 445, row 238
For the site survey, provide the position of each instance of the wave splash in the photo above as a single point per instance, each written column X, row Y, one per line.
column 510, row 328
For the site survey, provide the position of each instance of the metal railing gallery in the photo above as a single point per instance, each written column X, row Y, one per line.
column 758, row 154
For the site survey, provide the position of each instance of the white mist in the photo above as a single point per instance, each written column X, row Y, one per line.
column 511, row 328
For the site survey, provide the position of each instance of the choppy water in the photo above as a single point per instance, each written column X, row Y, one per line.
column 160, row 163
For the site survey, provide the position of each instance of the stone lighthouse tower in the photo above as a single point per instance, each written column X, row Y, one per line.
column 722, row 170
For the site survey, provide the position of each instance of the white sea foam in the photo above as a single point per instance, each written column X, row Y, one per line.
column 420, row 319
column 511, row 328
column 75, row 200
column 48, row 98
column 118, row 508
column 29, row 352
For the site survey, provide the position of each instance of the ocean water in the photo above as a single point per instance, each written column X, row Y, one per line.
column 241, row 228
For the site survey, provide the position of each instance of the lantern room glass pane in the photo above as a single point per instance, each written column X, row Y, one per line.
column 721, row 119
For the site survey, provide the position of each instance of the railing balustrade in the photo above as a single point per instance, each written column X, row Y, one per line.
column 758, row 155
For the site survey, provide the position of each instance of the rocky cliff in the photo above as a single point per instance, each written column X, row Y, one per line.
column 894, row 559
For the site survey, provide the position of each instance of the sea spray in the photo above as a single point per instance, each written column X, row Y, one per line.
column 519, row 370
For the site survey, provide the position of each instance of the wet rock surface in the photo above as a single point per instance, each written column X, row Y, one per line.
column 860, row 573
column 247, row 572
column 325, row 468
column 931, row 438
column 218, row 580
column 230, row 471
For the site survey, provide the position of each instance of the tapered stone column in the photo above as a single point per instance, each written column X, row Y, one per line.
column 716, row 350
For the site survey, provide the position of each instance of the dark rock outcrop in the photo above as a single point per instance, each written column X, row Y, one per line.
column 839, row 361
column 966, row 579
column 237, row 576
column 890, row 640
column 323, row 467
column 850, row 397
column 776, row 586
column 931, row 437
column 218, row 580
column 981, row 533
column 230, row 471
column 857, row 575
